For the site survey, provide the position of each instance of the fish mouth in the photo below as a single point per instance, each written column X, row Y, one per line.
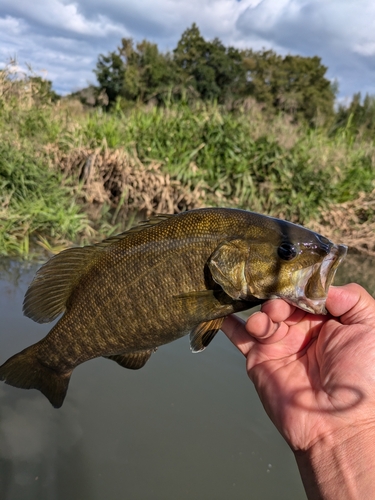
column 314, row 282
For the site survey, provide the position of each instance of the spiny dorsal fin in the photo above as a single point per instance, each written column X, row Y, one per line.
column 152, row 221
column 202, row 335
column 133, row 360
column 54, row 282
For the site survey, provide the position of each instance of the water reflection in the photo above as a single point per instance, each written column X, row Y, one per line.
column 185, row 426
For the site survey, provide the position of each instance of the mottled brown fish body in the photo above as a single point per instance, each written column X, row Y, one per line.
column 128, row 298
column 171, row 276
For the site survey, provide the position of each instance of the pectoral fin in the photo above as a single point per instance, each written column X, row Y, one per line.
column 133, row 360
column 202, row 335
column 207, row 304
column 227, row 266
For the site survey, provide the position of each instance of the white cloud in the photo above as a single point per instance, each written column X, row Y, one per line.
column 365, row 48
column 56, row 38
column 341, row 33
column 11, row 25
column 317, row 22
column 66, row 17
column 66, row 37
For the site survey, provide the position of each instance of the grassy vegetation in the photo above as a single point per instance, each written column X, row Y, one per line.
column 246, row 158
column 33, row 202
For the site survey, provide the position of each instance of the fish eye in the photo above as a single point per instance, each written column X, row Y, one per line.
column 286, row 251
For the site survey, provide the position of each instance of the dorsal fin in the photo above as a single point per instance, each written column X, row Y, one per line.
column 54, row 282
column 145, row 224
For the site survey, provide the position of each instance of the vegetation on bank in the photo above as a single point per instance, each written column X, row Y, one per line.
column 73, row 174
column 206, row 70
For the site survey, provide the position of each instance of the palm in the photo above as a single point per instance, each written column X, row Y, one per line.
column 311, row 372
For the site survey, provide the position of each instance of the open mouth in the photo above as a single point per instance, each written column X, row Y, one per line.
column 315, row 282
column 330, row 264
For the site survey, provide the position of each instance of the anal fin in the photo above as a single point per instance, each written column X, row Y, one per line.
column 202, row 335
column 132, row 360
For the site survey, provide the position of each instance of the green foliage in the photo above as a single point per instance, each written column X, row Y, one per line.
column 238, row 156
column 293, row 84
column 209, row 71
column 28, row 89
column 27, row 106
column 357, row 118
column 42, row 92
column 214, row 71
column 37, row 123
column 208, row 146
column 33, row 202
column 110, row 71
column 359, row 177
column 135, row 73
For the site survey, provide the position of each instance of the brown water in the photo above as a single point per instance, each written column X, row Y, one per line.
column 186, row 426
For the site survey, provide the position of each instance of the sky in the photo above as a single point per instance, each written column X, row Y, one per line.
column 61, row 39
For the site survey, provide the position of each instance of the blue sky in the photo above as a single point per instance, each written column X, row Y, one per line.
column 62, row 39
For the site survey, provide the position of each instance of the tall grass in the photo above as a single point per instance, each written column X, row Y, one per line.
column 33, row 203
column 240, row 161
column 245, row 158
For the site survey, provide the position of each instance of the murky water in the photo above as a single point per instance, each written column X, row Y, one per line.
column 184, row 427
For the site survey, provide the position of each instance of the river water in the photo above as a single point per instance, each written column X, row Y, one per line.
column 186, row 426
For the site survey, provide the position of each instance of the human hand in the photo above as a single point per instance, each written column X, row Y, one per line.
column 315, row 374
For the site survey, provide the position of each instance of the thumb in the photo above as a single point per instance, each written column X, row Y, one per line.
column 351, row 303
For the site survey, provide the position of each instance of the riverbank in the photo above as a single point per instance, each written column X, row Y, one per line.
column 70, row 175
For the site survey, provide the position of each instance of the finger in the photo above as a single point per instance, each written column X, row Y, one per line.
column 352, row 303
column 261, row 326
column 278, row 310
column 234, row 329
column 271, row 324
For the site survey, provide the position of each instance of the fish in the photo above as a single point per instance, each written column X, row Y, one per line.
column 167, row 277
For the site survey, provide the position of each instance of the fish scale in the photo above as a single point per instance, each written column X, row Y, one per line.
column 171, row 276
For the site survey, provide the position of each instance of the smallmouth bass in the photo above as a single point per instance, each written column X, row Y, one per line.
column 165, row 278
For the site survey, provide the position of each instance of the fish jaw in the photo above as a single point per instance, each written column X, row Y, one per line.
column 312, row 283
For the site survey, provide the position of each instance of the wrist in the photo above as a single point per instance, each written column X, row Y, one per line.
column 340, row 465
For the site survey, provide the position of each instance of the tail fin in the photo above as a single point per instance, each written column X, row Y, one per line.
column 24, row 370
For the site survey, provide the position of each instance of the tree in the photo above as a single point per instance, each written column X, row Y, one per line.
column 148, row 72
column 42, row 91
column 210, row 71
column 216, row 72
column 110, row 71
column 294, row 84
column 135, row 73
